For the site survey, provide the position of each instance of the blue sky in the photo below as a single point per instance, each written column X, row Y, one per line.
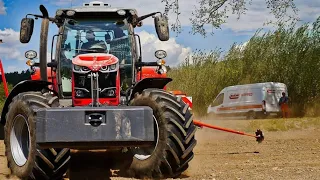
column 234, row 31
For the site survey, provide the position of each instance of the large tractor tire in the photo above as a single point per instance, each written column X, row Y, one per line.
column 25, row 159
column 174, row 131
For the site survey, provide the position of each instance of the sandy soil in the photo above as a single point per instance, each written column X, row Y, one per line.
column 219, row 155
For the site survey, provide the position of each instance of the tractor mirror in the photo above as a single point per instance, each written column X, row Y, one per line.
column 26, row 29
column 162, row 28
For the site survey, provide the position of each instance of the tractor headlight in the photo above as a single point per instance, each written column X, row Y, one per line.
column 59, row 12
column 132, row 12
column 79, row 93
column 77, row 68
column 84, row 68
column 162, row 70
column 160, row 54
column 70, row 13
column 80, row 69
column 161, row 62
column 113, row 67
column 31, row 54
column 121, row 12
column 104, row 68
column 111, row 92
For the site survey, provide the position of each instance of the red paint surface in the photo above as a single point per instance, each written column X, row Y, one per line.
column 95, row 61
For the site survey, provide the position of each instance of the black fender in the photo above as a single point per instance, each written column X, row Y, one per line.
column 146, row 83
column 23, row 86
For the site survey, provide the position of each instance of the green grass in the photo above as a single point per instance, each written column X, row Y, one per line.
column 284, row 124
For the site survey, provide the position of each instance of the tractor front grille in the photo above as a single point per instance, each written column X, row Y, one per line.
column 106, row 84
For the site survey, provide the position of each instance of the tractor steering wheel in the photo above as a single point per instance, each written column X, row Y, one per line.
column 99, row 47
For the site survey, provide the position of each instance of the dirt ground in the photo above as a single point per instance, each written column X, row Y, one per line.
column 220, row 155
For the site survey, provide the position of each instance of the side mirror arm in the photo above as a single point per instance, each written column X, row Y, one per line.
column 136, row 20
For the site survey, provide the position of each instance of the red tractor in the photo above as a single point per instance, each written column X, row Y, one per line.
column 146, row 72
column 90, row 96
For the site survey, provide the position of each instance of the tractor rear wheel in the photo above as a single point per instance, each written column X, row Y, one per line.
column 174, row 132
column 25, row 159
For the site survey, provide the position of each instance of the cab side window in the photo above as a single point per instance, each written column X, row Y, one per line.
column 219, row 100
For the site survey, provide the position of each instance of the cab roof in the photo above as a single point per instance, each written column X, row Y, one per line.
column 97, row 6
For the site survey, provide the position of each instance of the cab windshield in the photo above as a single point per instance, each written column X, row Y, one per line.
column 93, row 36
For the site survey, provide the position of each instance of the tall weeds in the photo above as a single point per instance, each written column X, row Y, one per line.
column 289, row 55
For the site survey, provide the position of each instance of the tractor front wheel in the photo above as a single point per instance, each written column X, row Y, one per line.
column 174, row 134
column 25, row 159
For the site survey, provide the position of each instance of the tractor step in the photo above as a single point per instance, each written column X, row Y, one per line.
column 95, row 127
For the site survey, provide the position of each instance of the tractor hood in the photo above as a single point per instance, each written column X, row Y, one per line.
column 96, row 61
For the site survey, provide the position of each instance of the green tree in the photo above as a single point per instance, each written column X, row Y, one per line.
column 12, row 79
column 3, row 95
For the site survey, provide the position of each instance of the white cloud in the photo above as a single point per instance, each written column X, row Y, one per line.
column 176, row 53
column 242, row 46
column 11, row 44
column 2, row 8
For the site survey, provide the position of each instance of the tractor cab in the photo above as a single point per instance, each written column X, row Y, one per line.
column 95, row 45
column 97, row 53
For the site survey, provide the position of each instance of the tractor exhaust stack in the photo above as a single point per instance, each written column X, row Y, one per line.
column 43, row 43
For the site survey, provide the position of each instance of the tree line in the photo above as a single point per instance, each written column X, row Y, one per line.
column 12, row 79
column 289, row 54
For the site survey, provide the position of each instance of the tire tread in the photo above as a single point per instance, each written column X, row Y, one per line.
column 180, row 132
column 45, row 166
